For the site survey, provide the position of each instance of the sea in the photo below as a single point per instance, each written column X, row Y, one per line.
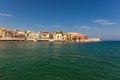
column 60, row 60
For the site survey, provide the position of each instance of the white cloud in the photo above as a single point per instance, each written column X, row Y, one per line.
column 88, row 27
column 104, row 22
column 5, row 14
column 85, row 27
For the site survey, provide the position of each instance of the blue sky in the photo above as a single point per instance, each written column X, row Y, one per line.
column 96, row 18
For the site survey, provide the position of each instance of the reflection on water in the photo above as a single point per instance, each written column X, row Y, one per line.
column 59, row 61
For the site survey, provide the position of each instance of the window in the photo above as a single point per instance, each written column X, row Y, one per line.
column 58, row 37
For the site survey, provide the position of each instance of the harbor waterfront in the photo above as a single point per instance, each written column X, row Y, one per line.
column 27, row 35
column 60, row 60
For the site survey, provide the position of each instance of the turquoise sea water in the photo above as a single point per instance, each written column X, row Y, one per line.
column 60, row 61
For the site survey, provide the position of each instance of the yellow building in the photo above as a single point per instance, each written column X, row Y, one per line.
column 2, row 32
column 58, row 35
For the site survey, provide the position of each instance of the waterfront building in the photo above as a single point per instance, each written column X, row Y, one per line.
column 58, row 36
column 65, row 36
column 74, row 36
column 45, row 35
column 2, row 32
column 21, row 34
column 10, row 33
column 40, row 35
column 6, row 34
column 32, row 36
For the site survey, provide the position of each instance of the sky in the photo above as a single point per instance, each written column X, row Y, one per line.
column 96, row 18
